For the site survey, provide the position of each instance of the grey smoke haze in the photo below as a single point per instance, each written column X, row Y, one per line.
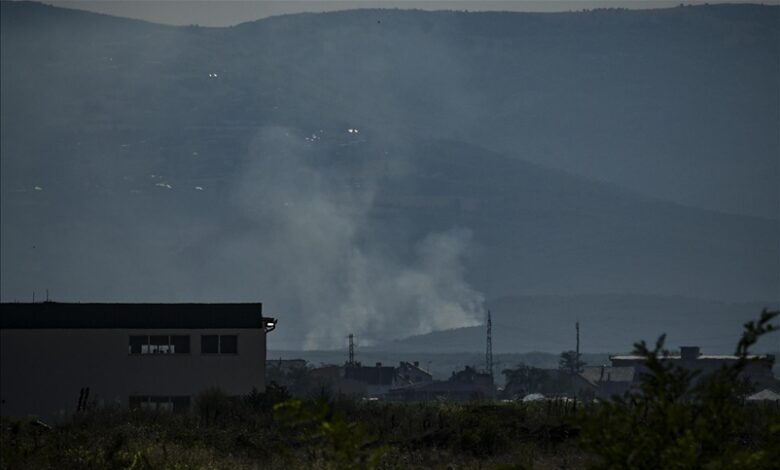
column 309, row 241
column 192, row 164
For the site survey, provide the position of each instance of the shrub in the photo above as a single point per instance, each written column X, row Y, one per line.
column 340, row 443
column 672, row 423
column 212, row 404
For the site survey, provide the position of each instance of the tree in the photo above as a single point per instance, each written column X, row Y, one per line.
column 571, row 362
column 523, row 380
column 670, row 422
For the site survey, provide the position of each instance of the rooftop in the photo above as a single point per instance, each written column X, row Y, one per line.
column 59, row 315
column 598, row 374
column 721, row 357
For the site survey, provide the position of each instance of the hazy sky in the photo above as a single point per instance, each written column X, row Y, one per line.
column 230, row 12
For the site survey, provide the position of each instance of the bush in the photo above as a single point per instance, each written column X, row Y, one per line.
column 212, row 404
column 672, row 423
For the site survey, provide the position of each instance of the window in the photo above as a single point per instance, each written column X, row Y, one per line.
column 180, row 344
column 159, row 344
column 177, row 404
column 228, row 344
column 209, row 344
column 137, row 342
column 219, row 344
column 180, row 404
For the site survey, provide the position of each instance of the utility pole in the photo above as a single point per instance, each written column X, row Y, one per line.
column 577, row 359
column 489, row 348
column 351, row 349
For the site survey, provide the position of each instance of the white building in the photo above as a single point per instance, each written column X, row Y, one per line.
column 58, row 357
column 758, row 370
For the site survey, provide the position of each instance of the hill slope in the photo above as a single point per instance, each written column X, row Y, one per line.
column 374, row 170
column 609, row 324
column 678, row 103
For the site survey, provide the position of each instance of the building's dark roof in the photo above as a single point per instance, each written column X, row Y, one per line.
column 597, row 374
column 136, row 315
column 701, row 357
column 403, row 366
column 379, row 375
column 442, row 387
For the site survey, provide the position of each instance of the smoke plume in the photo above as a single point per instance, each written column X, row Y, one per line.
column 312, row 229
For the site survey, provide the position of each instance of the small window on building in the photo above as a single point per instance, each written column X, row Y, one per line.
column 137, row 343
column 180, row 404
column 209, row 344
column 222, row 344
column 147, row 405
column 228, row 344
column 135, row 402
column 159, row 344
column 160, row 403
column 180, row 344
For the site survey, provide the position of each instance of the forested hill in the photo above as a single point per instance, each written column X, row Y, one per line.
column 499, row 153
column 678, row 103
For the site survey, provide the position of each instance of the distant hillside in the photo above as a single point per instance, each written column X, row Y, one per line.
column 382, row 171
column 608, row 324
column 678, row 103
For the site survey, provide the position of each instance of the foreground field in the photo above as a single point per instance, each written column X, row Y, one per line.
column 256, row 433
column 673, row 420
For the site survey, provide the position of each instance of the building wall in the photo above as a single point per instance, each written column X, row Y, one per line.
column 754, row 367
column 411, row 374
column 758, row 371
column 42, row 371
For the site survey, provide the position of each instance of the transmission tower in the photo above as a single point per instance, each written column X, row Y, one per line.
column 489, row 348
column 351, row 349
column 577, row 357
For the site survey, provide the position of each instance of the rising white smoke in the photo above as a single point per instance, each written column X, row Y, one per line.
column 310, row 230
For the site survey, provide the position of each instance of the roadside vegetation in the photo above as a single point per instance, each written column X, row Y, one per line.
column 676, row 420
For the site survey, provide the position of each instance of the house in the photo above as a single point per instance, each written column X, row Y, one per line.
column 331, row 379
column 409, row 373
column 354, row 379
column 610, row 381
column 525, row 380
column 468, row 384
column 380, row 379
column 758, row 370
column 56, row 358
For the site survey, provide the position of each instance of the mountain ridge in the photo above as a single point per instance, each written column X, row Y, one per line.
column 596, row 309
column 367, row 183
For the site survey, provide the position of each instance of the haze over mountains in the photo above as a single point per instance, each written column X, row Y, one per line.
column 385, row 172
column 546, row 324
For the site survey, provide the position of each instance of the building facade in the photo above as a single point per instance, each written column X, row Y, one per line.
column 409, row 373
column 57, row 358
column 757, row 370
column 379, row 379
column 465, row 385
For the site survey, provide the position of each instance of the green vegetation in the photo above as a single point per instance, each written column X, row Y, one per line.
column 676, row 420
column 317, row 433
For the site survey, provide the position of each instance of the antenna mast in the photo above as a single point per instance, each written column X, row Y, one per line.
column 577, row 362
column 351, row 349
column 489, row 348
